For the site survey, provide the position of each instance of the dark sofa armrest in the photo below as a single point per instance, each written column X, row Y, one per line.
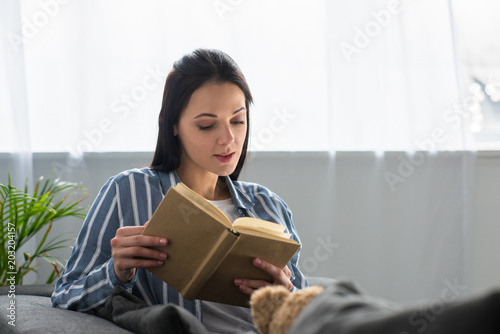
column 44, row 290
column 34, row 314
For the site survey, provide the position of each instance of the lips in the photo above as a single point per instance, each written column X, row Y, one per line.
column 225, row 157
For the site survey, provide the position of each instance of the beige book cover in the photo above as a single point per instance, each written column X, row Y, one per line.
column 206, row 252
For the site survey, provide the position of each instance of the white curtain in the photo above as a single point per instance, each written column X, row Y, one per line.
column 394, row 77
column 96, row 69
column 403, row 212
column 375, row 76
column 13, row 100
column 14, row 129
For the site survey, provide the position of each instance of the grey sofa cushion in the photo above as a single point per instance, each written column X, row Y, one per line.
column 321, row 281
column 343, row 309
column 34, row 314
column 131, row 312
column 34, row 290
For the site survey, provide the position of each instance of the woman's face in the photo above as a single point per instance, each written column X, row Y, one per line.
column 212, row 129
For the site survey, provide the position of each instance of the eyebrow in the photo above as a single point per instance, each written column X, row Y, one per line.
column 215, row 116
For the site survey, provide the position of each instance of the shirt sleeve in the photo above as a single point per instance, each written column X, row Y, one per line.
column 89, row 276
column 298, row 279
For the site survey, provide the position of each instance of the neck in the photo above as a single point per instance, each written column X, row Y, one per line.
column 206, row 184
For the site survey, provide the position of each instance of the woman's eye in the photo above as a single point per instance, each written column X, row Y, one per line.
column 238, row 122
column 206, row 127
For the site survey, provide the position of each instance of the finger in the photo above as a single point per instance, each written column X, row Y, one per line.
column 130, row 263
column 248, row 286
column 278, row 274
column 138, row 240
column 246, row 290
column 137, row 252
column 287, row 272
column 271, row 269
column 129, row 230
column 253, row 283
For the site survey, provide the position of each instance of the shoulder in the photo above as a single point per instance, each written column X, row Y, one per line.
column 259, row 194
column 253, row 189
column 134, row 180
column 133, row 174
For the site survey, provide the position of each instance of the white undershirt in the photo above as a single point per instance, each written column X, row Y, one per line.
column 222, row 318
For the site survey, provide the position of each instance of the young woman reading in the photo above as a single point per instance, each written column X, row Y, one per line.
column 202, row 142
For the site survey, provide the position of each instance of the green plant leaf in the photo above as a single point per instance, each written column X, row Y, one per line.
column 24, row 215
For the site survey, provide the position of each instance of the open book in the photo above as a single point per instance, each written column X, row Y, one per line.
column 206, row 252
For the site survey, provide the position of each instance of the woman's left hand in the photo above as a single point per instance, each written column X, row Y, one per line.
column 281, row 276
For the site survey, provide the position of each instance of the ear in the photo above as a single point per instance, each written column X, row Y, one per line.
column 263, row 303
column 176, row 131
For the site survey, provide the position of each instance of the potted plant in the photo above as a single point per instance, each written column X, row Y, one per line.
column 23, row 215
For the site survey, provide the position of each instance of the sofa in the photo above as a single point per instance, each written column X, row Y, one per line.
column 33, row 313
column 341, row 308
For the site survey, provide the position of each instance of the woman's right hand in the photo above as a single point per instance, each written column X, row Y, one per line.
column 130, row 251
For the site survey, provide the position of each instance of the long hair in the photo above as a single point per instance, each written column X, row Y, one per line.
column 188, row 74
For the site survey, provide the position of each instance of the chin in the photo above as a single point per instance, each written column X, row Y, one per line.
column 225, row 172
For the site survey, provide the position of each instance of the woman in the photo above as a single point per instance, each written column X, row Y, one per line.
column 202, row 142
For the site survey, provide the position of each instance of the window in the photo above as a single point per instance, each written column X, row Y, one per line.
column 95, row 71
column 352, row 75
column 477, row 25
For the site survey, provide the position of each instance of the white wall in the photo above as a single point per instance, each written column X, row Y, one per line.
column 301, row 179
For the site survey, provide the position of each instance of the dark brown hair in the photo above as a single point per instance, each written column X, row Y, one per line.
column 188, row 74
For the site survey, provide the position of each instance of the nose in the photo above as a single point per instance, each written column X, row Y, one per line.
column 226, row 136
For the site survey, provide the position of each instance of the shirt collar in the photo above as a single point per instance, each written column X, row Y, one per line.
column 241, row 199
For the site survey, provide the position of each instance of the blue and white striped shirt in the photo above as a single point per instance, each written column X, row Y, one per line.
column 129, row 199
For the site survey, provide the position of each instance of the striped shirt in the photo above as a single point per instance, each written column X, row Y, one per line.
column 129, row 199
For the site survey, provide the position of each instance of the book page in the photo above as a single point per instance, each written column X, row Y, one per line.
column 201, row 202
column 260, row 227
column 263, row 232
column 258, row 224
